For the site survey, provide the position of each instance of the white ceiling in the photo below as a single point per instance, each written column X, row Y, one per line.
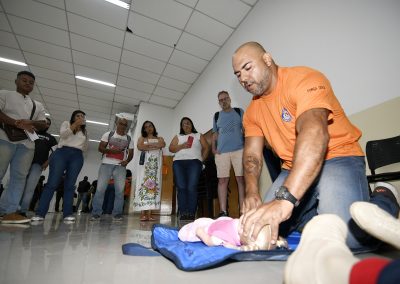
column 170, row 45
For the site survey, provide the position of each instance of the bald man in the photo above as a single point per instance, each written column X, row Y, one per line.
column 295, row 110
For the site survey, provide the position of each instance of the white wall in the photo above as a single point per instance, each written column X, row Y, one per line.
column 354, row 43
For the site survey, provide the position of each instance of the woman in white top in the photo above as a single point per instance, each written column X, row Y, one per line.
column 190, row 148
column 149, row 177
column 68, row 159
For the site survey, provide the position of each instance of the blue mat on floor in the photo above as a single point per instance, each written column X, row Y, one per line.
column 189, row 256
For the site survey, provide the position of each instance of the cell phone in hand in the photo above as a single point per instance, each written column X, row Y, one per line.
column 190, row 141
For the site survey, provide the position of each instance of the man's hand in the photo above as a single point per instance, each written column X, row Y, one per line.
column 45, row 165
column 124, row 163
column 272, row 213
column 25, row 124
column 252, row 201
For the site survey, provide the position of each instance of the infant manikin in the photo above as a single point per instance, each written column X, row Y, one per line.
column 225, row 231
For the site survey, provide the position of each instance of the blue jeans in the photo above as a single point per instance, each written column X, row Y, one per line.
column 187, row 174
column 341, row 182
column 82, row 196
column 106, row 171
column 70, row 161
column 19, row 158
column 31, row 183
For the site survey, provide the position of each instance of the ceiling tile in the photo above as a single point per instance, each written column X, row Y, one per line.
column 208, row 29
column 49, row 63
column 138, row 74
column 39, row 31
column 94, row 101
column 6, row 84
column 250, row 2
column 44, row 48
column 96, row 94
column 147, row 47
column 11, row 53
column 4, row 23
column 190, row 3
column 101, row 11
column 55, row 3
column 62, row 102
column 188, row 61
column 94, row 47
column 134, row 84
column 174, row 84
column 95, row 108
column 37, row 12
column 163, row 92
column 142, row 62
column 95, row 62
column 12, row 67
column 46, row 92
column 53, row 75
column 166, row 11
column 163, row 101
column 153, row 30
column 42, row 82
column 8, row 75
column 95, row 74
column 95, row 86
column 8, row 39
column 180, row 74
column 126, row 100
column 95, row 30
column 132, row 93
column 197, row 46
column 217, row 10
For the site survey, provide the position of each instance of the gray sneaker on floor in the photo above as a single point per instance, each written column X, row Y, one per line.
column 37, row 218
column 69, row 219
column 14, row 218
column 95, row 218
column 118, row 217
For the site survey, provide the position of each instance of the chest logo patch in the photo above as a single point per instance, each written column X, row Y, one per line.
column 286, row 115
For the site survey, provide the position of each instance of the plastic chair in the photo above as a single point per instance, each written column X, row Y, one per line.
column 382, row 153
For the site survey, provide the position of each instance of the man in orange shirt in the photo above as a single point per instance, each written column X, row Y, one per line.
column 296, row 112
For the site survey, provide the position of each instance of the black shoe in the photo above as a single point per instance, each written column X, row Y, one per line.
column 23, row 214
column 223, row 214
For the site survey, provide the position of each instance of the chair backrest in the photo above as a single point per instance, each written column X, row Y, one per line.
column 383, row 152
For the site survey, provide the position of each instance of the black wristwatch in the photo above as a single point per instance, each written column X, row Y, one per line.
column 282, row 193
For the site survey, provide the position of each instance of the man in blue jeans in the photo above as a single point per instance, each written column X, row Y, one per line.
column 117, row 148
column 296, row 111
column 17, row 112
column 40, row 162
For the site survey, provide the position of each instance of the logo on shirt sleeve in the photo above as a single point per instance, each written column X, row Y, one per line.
column 286, row 115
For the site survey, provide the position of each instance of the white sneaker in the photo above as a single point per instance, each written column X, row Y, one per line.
column 322, row 255
column 37, row 218
column 376, row 222
column 69, row 219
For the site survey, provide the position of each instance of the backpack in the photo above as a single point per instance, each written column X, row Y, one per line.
column 111, row 135
column 216, row 115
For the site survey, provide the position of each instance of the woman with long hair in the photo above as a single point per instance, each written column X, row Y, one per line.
column 149, row 177
column 68, row 160
column 190, row 148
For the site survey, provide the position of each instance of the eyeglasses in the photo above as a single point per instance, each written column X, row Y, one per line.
column 223, row 99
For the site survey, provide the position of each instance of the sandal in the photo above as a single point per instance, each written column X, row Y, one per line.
column 143, row 218
column 151, row 218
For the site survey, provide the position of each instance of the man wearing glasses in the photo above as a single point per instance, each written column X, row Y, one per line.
column 117, row 149
column 227, row 146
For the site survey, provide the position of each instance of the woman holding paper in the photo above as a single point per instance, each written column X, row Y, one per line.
column 190, row 148
column 68, row 160
column 149, row 177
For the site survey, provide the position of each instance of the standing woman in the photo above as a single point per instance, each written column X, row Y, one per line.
column 68, row 159
column 190, row 148
column 149, row 178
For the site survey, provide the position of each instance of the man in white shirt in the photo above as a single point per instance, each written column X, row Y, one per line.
column 117, row 149
column 17, row 112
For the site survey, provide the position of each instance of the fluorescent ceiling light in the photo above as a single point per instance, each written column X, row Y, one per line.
column 119, row 3
column 13, row 61
column 92, row 140
column 96, row 122
column 95, row 81
column 47, row 114
column 56, row 135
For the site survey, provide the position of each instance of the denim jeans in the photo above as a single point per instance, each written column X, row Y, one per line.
column 341, row 182
column 187, row 174
column 19, row 157
column 31, row 183
column 66, row 159
column 82, row 196
column 106, row 171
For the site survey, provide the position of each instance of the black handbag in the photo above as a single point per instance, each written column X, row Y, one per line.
column 14, row 133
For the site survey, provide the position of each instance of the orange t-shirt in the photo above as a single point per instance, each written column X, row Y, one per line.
column 297, row 90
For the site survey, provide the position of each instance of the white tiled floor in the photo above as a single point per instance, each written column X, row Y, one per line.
column 86, row 253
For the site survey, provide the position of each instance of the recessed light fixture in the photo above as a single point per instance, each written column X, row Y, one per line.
column 47, row 114
column 119, row 3
column 96, row 122
column 56, row 135
column 13, row 61
column 92, row 140
column 95, row 81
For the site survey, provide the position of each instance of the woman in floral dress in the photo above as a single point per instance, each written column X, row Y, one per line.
column 149, row 177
